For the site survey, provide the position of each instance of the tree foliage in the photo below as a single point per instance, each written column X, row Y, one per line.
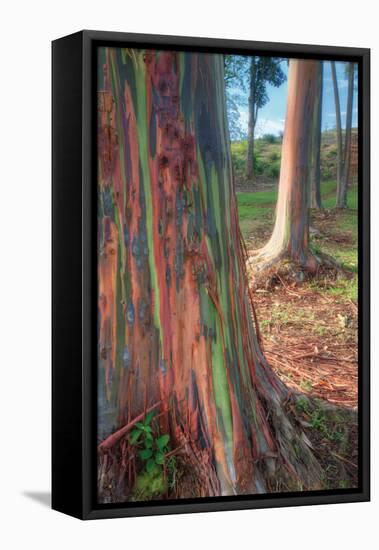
column 236, row 94
column 239, row 71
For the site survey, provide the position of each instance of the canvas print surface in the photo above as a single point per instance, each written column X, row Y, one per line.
column 227, row 275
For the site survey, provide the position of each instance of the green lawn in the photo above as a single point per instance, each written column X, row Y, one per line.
column 337, row 230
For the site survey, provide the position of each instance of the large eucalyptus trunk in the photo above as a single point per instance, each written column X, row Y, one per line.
column 342, row 188
column 251, row 121
column 175, row 320
column 290, row 236
column 315, row 155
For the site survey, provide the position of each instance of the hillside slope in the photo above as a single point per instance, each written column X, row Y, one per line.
column 268, row 154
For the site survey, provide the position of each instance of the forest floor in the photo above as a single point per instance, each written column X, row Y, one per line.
column 309, row 331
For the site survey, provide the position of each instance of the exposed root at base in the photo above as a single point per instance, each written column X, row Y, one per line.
column 333, row 434
column 286, row 272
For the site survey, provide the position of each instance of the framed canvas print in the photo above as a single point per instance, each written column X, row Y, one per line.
column 210, row 274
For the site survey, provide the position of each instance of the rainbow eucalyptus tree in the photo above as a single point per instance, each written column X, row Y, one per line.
column 175, row 325
column 342, row 188
column 290, row 236
column 315, row 147
column 338, row 126
column 343, row 148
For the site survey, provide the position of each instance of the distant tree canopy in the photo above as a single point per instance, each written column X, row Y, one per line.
column 267, row 71
column 246, row 80
column 243, row 74
column 236, row 93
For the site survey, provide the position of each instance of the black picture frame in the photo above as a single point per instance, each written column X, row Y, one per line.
column 74, row 275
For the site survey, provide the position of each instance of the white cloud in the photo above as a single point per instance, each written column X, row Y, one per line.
column 269, row 126
column 264, row 125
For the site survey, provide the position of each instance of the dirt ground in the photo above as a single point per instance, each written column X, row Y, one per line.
column 309, row 334
column 310, row 339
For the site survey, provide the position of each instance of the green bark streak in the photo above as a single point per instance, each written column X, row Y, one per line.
column 142, row 128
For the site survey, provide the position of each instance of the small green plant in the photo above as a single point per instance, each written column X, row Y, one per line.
column 331, row 154
column 305, row 385
column 317, row 418
column 318, row 421
column 149, row 485
column 265, row 324
column 152, row 446
column 274, row 155
column 258, row 165
column 344, row 484
column 273, row 170
column 337, row 436
column 302, row 405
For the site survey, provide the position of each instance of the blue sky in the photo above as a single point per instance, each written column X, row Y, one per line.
column 271, row 116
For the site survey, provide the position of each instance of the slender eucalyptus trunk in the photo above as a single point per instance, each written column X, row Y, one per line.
column 342, row 188
column 315, row 160
column 338, row 128
column 175, row 323
column 251, row 122
column 290, row 237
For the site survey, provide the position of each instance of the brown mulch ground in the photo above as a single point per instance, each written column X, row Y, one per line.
column 311, row 342
column 309, row 335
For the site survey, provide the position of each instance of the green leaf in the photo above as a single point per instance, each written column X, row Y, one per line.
column 147, row 429
column 145, row 454
column 150, row 465
column 148, row 443
column 140, row 425
column 134, row 436
column 149, row 417
column 159, row 458
column 148, row 436
column 162, row 441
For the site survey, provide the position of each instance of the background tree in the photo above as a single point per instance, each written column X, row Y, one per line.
column 342, row 189
column 290, row 237
column 343, row 146
column 249, row 76
column 175, row 325
column 235, row 67
column 315, row 155
column 338, row 122
column 262, row 71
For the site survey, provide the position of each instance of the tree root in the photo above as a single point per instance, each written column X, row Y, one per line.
column 288, row 272
column 112, row 439
column 296, row 467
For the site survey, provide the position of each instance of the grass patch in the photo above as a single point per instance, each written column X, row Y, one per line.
column 343, row 287
column 337, row 232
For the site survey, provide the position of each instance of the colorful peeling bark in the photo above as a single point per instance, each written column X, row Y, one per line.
column 175, row 328
column 315, row 161
column 344, row 150
column 338, row 124
column 341, row 201
column 290, row 237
